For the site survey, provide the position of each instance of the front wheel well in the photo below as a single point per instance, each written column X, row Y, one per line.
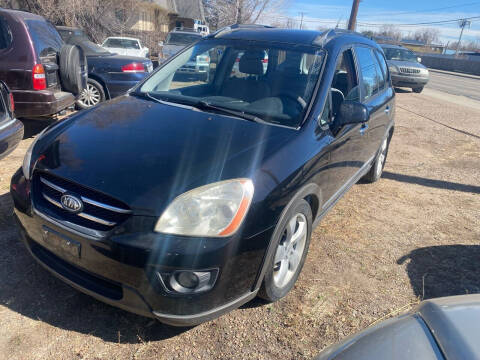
column 314, row 204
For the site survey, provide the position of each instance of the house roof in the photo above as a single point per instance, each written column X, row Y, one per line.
column 412, row 42
column 192, row 9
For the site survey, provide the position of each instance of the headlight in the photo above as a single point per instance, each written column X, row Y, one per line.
column 393, row 69
column 27, row 160
column 214, row 210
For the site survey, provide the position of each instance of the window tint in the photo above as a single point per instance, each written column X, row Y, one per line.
column 5, row 34
column 44, row 36
column 372, row 75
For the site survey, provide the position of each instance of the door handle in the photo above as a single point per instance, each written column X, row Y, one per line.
column 363, row 128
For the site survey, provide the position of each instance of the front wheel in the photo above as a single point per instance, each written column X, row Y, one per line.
column 291, row 247
column 418, row 90
column 92, row 95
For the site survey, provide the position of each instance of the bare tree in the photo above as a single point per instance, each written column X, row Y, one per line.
column 427, row 35
column 390, row 31
column 226, row 12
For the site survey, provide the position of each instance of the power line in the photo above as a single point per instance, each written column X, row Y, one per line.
column 427, row 10
column 424, row 23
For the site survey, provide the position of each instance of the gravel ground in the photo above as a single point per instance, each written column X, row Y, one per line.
column 384, row 247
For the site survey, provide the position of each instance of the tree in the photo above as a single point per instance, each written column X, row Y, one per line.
column 427, row 35
column 390, row 31
column 221, row 13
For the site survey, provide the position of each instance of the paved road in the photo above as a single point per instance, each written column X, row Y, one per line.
column 454, row 84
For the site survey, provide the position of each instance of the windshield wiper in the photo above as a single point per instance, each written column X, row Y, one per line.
column 203, row 105
column 147, row 95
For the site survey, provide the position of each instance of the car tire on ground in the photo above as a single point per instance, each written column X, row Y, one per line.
column 73, row 65
column 376, row 170
column 92, row 95
column 291, row 240
column 418, row 90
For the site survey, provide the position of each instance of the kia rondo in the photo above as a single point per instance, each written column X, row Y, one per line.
column 185, row 199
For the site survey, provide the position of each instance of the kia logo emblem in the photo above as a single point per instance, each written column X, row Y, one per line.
column 71, row 203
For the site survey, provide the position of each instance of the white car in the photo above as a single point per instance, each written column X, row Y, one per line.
column 125, row 46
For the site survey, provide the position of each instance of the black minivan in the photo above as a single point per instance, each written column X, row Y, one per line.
column 186, row 198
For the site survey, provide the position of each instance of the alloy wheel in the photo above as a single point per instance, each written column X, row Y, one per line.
column 290, row 250
column 90, row 96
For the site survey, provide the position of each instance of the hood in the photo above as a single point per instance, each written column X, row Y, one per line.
column 409, row 64
column 145, row 153
column 170, row 49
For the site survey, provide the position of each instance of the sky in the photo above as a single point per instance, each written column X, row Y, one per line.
column 327, row 13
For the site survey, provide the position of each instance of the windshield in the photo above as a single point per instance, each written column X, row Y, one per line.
column 399, row 54
column 270, row 83
column 182, row 39
column 121, row 43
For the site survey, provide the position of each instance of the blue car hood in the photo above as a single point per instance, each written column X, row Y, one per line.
column 145, row 153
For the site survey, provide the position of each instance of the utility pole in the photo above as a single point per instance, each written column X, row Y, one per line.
column 462, row 23
column 352, row 24
column 301, row 21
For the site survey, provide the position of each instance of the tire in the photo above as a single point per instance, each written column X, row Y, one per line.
column 418, row 90
column 376, row 170
column 92, row 95
column 73, row 69
column 279, row 277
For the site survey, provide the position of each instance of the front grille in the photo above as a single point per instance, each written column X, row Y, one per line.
column 100, row 212
column 406, row 70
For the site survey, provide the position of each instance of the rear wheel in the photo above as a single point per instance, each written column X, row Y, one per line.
column 93, row 95
column 418, row 90
column 291, row 247
column 376, row 171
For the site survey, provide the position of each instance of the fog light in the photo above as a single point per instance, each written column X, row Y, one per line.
column 187, row 279
column 188, row 282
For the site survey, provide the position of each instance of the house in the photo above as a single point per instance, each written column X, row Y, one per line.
column 419, row 46
column 186, row 14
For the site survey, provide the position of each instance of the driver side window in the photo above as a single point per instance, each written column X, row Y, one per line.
column 344, row 84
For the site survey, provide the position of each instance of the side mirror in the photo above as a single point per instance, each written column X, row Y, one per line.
column 419, row 59
column 352, row 112
column 160, row 43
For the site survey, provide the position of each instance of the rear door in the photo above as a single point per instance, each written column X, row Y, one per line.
column 47, row 43
column 376, row 94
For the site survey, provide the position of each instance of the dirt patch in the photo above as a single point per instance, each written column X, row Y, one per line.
column 414, row 234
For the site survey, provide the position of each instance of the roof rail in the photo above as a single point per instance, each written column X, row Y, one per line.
column 238, row 26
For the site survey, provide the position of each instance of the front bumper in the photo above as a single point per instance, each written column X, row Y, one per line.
column 122, row 269
column 11, row 133
column 409, row 81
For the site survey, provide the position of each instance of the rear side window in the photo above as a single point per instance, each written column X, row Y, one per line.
column 383, row 66
column 45, row 37
column 372, row 75
column 5, row 34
